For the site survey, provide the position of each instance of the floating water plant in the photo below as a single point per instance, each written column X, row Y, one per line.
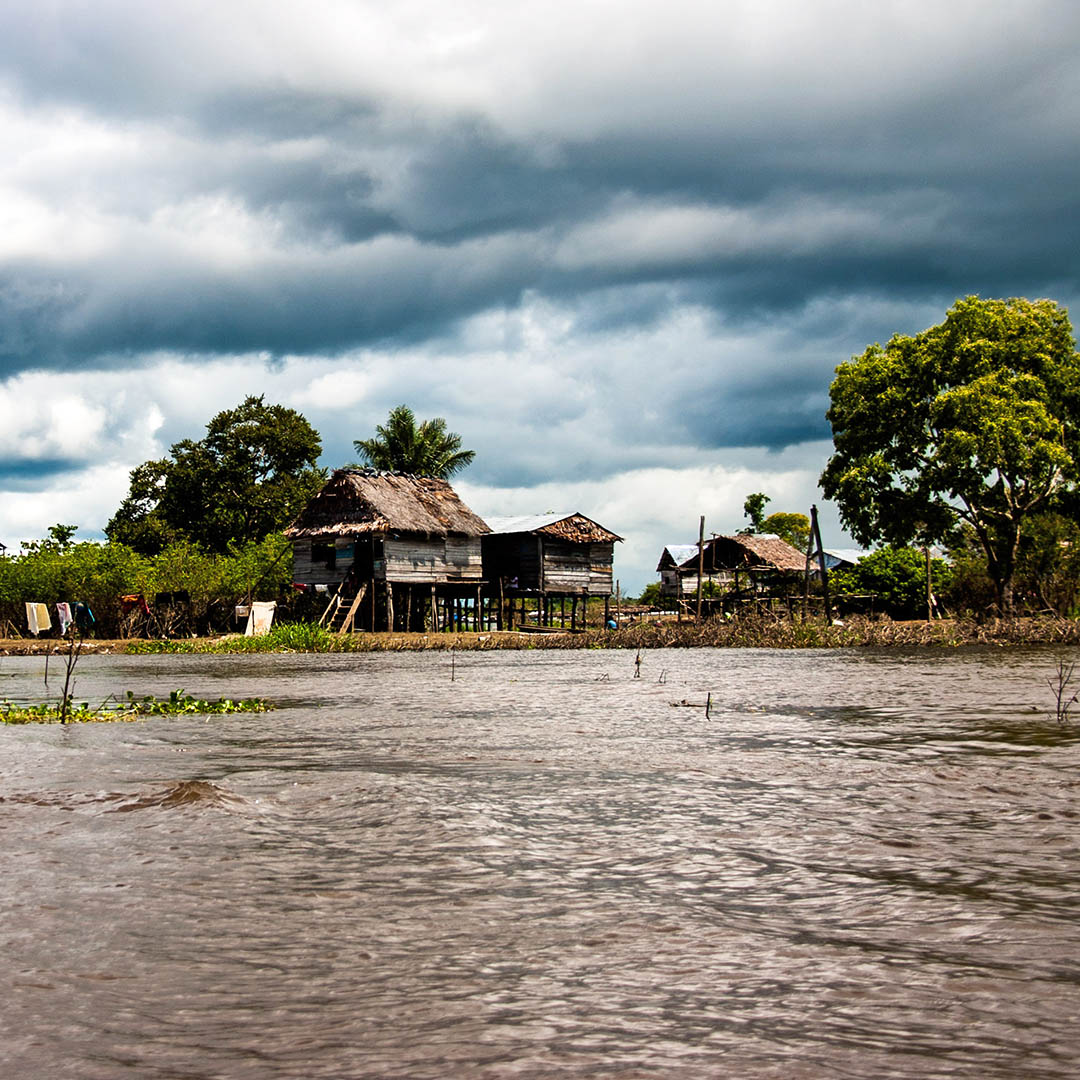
column 131, row 707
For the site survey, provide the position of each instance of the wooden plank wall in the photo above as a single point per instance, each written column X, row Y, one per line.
column 418, row 561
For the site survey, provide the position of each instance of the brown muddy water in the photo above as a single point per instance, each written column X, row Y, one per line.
column 863, row 864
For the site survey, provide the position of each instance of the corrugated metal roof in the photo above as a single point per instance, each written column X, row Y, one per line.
column 523, row 522
column 682, row 553
column 844, row 555
column 575, row 527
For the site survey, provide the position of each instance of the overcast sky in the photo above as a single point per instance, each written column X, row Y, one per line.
column 620, row 247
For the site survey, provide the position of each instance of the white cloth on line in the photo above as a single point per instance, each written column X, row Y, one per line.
column 37, row 618
column 260, row 618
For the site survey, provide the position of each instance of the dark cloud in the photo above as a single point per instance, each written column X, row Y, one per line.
column 30, row 474
column 625, row 248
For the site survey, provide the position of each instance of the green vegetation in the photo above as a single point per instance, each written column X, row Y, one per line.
column 284, row 637
column 427, row 449
column 58, row 569
column 793, row 529
column 762, row 630
column 250, row 476
column 897, row 578
column 131, row 708
column 961, row 433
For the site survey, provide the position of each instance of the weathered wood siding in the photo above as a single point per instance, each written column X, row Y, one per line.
column 601, row 559
column 568, row 568
column 324, row 562
column 428, row 562
column 672, row 583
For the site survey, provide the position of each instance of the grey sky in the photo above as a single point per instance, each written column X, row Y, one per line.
column 614, row 245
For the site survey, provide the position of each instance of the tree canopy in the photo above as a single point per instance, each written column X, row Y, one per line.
column 973, row 421
column 793, row 529
column 753, row 507
column 403, row 446
column 251, row 474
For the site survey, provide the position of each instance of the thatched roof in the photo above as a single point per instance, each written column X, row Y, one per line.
column 358, row 501
column 759, row 550
column 576, row 528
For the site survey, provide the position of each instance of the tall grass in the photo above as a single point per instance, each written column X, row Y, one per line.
column 762, row 631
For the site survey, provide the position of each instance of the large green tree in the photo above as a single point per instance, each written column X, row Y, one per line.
column 970, row 422
column 249, row 476
column 424, row 449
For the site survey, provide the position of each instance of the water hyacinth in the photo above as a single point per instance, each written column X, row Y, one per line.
column 130, row 708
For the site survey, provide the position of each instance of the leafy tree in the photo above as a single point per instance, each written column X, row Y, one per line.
column 970, row 422
column 792, row 528
column 897, row 576
column 650, row 594
column 1048, row 562
column 402, row 446
column 754, row 508
column 251, row 474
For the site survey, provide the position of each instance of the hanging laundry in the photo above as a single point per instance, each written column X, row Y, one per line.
column 131, row 601
column 65, row 617
column 37, row 618
column 260, row 618
column 84, row 617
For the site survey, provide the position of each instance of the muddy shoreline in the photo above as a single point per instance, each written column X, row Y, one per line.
column 741, row 633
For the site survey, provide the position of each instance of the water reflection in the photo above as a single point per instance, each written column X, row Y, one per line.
column 861, row 864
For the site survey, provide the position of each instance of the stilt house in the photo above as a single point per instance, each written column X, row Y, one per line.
column 742, row 562
column 399, row 551
column 552, row 558
column 678, row 569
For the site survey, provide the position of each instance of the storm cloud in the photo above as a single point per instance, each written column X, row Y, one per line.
column 603, row 243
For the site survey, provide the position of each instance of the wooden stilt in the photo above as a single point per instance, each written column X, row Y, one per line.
column 390, row 606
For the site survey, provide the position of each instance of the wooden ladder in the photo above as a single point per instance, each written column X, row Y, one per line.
column 349, row 616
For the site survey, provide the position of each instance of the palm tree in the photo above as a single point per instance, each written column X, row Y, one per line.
column 401, row 446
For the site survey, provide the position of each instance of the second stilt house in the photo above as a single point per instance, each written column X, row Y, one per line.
column 398, row 552
column 551, row 560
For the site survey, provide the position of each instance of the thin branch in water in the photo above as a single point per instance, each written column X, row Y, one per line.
column 1060, row 684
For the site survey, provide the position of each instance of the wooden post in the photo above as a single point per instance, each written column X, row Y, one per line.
column 390, row 606
column 700, row 563
column 806, row 577
column 502, row 605
column 618, row 604
column 479, row 620
column 929, row 594
column 815, row 532
column 585, row 611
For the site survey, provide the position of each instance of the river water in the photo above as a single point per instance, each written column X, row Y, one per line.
column 534, row 864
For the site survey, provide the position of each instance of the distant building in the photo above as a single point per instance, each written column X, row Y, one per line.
column 843, row 558
column 741, row 562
